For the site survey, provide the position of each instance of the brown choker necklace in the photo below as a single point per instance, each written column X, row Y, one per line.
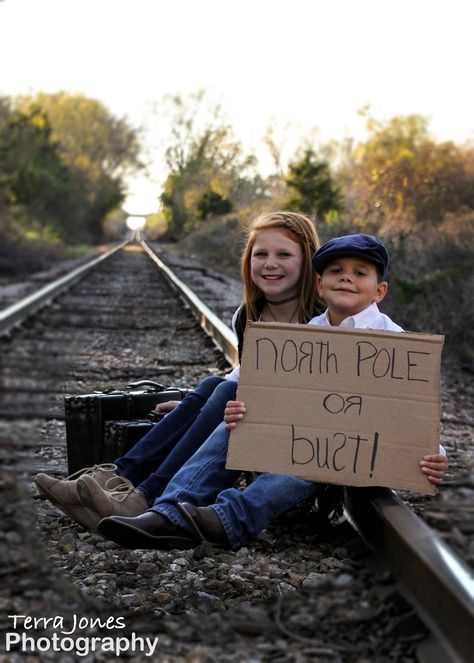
column 282, row 301
column 287, row 321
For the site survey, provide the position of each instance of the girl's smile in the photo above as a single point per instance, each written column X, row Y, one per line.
column 276, row 262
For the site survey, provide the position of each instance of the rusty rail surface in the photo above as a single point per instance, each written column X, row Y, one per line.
column 435, row 580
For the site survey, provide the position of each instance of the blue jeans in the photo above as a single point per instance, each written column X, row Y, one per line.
column 154, row 459
column 204, row 481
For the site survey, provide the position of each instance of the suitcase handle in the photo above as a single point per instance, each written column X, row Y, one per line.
column 156, row 416
column 146, row 383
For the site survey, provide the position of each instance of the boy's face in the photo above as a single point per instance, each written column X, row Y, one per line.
column 348, row 286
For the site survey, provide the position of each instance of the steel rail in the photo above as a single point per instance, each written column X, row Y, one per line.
column 220, row 333
column 16, row 313
column 436, row 581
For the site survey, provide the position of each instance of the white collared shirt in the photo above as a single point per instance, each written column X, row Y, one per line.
column 369, row 318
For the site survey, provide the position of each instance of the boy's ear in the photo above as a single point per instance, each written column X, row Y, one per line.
column 381, row 291
column 318, row 285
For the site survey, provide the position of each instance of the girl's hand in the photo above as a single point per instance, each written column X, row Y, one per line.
column 434, row 467
column 233, row 413
column 167, row 406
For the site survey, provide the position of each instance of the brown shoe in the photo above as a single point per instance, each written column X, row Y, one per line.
column 150, row 530
column 118, row 497
column 205, row 523
column 63, row 492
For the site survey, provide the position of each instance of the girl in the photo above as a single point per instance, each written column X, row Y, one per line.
column 279, row 285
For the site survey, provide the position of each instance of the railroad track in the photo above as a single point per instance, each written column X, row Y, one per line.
column 63, row 341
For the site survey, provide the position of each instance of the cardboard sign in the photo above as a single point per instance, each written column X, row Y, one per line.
column 353, row 407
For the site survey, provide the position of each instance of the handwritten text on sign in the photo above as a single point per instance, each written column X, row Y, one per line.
column 354, row 407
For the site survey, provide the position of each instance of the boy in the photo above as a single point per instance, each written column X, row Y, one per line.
column 351, row 280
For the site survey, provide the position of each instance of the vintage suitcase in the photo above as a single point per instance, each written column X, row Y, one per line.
column 86, row 416
column 120, row 436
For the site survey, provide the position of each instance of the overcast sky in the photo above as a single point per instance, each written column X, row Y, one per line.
column 308, row 62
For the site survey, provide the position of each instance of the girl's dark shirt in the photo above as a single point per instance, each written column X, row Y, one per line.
column 241, row 322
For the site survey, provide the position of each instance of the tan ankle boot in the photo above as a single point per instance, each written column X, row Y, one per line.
column 63, row 492
column 117, row 498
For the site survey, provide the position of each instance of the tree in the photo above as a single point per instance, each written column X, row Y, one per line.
column 314, row 191
column 401, row 179
column 205, row 162
column 98, row 149
column 90, row 137
column 211, row 203
column 32, row 173
column 419, row 194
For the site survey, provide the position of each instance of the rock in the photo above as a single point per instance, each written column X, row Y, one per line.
column 331, row 563
column 181, row 561
column 162, row 597
column 252, row 621
column 316, row 580
column 343, row 581
column 146, row 569
column 89, row 580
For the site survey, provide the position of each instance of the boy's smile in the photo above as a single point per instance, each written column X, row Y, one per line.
column 348, row 285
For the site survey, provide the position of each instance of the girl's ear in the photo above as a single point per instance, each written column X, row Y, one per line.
column 381, row 291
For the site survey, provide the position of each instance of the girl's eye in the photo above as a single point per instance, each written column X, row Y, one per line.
column 259, row 254
column 284, row 254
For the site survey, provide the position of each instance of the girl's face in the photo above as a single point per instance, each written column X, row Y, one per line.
column 276, row 262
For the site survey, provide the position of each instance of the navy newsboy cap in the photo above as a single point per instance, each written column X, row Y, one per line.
column 362, row 246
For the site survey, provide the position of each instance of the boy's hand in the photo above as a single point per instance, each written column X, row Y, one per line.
column 435, row 467
column 233, row 413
